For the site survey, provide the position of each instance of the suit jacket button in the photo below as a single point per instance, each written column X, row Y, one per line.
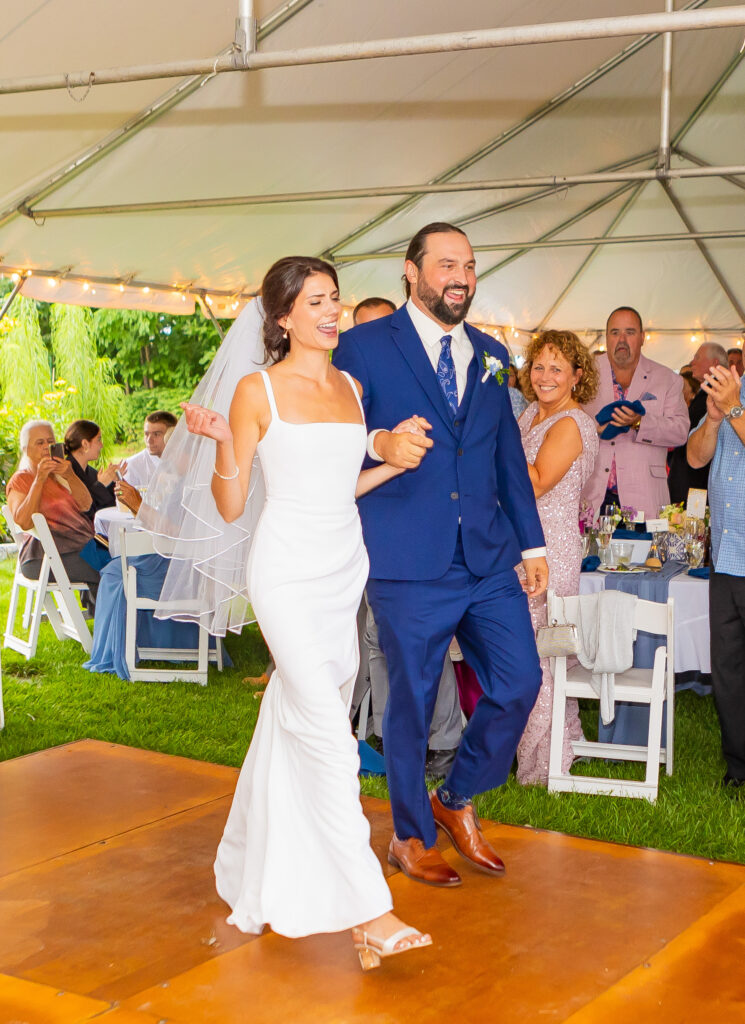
column 456, row 423
column 460, row 451
column 454, row 495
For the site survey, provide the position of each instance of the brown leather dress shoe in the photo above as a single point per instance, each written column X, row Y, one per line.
column 464, row 831
column 421, row 864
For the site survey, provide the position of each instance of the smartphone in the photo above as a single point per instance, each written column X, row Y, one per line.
column 57, row 450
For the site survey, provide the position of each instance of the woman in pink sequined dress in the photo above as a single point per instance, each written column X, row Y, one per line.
column 561, row 444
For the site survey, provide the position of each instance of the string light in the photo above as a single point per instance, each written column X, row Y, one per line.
column 29, row 273
column 146, row 290
column 52, row 281
column 694, row 338
column 121, row 287
column 208, row 300
column 86, row 286
column 15, row 278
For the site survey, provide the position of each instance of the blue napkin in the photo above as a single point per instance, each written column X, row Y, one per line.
column 590, row 563
column 371, row 762
column 630, row 535
column 607, row 411
column 95, row 554
column 702, row 573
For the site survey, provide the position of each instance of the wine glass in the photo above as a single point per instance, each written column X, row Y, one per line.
column 605, row 532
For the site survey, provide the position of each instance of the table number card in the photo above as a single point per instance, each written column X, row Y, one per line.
column 696, row 504
column 658, row 526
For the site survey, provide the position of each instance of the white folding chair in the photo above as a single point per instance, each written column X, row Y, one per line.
column 55, row 598
column 651, row 687
column 131, row 544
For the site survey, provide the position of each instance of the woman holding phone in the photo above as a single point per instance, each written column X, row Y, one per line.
column 45, row 483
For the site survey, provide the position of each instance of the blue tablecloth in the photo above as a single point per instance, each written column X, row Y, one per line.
column 631, row 723
column 111, row 616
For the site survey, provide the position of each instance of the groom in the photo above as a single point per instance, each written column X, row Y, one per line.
column 444, row 540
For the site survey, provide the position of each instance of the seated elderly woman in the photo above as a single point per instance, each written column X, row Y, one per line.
column 47, row 484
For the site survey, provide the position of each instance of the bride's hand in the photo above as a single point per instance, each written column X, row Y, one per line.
column 413, row 425
column 205, row 422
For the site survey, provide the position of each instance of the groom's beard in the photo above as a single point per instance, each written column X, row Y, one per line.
column 450, row 313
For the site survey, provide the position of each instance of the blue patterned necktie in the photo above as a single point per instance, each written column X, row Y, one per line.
column 446, row 374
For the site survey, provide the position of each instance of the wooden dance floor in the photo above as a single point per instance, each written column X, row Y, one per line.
column 108, row 913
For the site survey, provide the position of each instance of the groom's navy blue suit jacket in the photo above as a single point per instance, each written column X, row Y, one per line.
column 475, row 473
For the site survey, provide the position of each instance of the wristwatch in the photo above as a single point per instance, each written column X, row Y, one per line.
column 735, row 413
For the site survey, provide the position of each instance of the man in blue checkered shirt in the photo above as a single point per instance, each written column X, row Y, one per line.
column 721, row 437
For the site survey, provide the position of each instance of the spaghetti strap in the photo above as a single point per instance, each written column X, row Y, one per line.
column 353, row 386
column 270, row 394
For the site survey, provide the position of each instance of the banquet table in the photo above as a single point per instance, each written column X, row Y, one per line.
column 691, row 653
column 107, row 523
column 691, row 596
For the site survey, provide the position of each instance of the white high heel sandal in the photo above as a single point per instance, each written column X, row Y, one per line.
column 372, row 949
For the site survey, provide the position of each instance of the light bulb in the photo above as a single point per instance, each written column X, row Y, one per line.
column 86, row 286
column 51, row 281
column 121, row 287
column 15, row 277
column 146, row 290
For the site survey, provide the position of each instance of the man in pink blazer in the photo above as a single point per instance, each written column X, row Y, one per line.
column 630, row 469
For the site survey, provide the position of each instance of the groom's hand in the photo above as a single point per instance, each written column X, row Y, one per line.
column 402, row 451
column 536, row 576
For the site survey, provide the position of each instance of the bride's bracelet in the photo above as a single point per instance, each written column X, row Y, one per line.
column 232, row 476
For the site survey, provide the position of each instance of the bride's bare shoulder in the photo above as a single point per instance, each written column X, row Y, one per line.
column 250, row 396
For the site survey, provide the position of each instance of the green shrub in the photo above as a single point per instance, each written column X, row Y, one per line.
column 137, row 405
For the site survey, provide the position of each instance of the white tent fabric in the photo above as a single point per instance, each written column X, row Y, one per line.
column 463, row 117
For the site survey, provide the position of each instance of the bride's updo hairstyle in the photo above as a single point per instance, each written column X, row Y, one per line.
column 281, row 286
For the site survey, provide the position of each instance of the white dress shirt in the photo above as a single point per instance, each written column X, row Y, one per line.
column 431, row 334
column 140, row 468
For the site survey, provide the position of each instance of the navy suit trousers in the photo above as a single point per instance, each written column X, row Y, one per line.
column 416, row 622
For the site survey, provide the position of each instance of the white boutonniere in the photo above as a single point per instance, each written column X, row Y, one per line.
column 494, row 368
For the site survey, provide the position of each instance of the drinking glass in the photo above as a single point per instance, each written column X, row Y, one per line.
column 622, row 552
column 605, row 532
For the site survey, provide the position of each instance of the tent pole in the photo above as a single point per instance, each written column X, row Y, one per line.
column 510, row 133
column 9, row 301
column 704, row 250
column 575, row 276
column 245, row 33
column 555, row 182
column 447, row 42
column 568, row 223
column 211, row 316
column 565, row 243
column 663, row 159
column 140, row 120
column 687, row 155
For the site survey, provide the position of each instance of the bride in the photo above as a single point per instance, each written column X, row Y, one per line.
column 296, row 853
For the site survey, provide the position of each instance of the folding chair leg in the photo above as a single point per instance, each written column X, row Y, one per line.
column 558, row 716
column 654, row 739
column 27, row 609
column 130, row 633
column 219, row 653
column 203, row 655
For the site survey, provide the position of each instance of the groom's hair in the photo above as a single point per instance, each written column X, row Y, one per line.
column 418, row 244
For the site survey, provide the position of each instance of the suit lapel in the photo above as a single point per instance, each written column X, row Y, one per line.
column 639, row 382
column 479, row 388
column 412, row 349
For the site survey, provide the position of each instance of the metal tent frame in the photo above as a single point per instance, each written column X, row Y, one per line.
column 242, row 56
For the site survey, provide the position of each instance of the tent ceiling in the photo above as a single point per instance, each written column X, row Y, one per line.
column 460, row 117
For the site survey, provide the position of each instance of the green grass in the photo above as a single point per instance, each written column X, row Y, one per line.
column 52, row 699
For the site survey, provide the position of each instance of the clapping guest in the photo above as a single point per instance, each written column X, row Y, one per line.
column 518, row 401
column 644, row 401
column 83, row 444
column 48, row 484
column 682, row 476
column 561, row 444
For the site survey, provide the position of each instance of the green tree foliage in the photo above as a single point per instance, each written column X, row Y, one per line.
column 88, row 378
column 25, row 367
column 152, row 350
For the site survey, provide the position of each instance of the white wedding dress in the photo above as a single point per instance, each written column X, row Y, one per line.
column 296, row 852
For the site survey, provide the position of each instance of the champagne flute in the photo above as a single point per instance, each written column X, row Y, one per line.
column 605, row 532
